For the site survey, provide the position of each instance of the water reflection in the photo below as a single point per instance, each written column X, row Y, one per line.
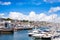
column 36, row 39
column 6, row 36
column 18, row 35
column 21, row 35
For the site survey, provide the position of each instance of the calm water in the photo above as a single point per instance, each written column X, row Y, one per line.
column 18, row 35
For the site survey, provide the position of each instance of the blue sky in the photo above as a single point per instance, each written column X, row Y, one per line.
column 26, row 6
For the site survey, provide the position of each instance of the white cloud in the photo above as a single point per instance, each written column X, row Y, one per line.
column 51, row 1
column 57, row 20
column 16, row 15
column 33, row 16
column 54, row 9
column 20, row 16
column 1, row 15
column 44, row 17
column 5, row 3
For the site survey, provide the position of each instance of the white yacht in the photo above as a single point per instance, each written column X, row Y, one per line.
column 42, row 34
column 52, row 34
column 34, row 31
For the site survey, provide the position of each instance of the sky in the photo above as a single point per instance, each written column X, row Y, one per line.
column 32, row 10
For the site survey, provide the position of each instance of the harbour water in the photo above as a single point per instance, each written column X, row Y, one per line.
column 18, row 35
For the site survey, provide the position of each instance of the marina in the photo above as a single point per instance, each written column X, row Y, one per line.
column 33, row 31
column 29, row 19
column 18, row 35
column 44, row 34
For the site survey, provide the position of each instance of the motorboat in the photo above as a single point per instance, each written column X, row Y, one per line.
column 35, row 31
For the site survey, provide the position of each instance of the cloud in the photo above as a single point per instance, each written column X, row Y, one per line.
column 54, row 9
column 45, row 17
column 16, row 15
column 20, row 16
column 33, row 16
column 2, row 15
column 51, row 1
column 57, row 20
column 5, row 3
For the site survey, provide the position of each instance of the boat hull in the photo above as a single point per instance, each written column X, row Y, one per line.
column 6, row 32
column 49, row 38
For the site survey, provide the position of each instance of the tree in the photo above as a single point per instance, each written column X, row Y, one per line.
column 8, row 19
column 24, row 21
